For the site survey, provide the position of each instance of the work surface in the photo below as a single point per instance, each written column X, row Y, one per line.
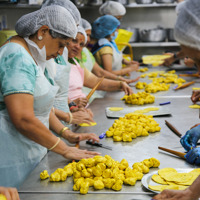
column 182, row 117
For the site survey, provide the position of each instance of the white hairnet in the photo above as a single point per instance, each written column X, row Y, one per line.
column 112, row 8
column 67, row 4
column 56, row 18
column 85, row 24
column 187, row 26
column 179, row 6
column 81, row 30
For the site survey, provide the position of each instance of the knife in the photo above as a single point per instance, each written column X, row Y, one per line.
column 98, row 145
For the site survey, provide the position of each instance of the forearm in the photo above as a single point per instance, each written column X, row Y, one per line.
column 110, row 85
column 61, row 115
column 194, row 188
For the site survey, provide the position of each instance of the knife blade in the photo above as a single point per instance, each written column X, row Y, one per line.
column 98, row 145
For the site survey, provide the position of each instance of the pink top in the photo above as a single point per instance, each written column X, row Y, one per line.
column 76, row 80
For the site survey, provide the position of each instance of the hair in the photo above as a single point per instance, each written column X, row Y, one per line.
column 57, row 35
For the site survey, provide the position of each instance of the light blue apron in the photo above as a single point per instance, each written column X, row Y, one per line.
column 18, row 154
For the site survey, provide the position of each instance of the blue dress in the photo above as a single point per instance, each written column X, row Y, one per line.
column 19, row 74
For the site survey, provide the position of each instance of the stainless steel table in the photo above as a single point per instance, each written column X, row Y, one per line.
column 139, row 149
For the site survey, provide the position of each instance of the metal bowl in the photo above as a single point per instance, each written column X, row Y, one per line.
column 95, row 2
column 144, row 1
column 153, row 35
column 136, row 36
column 165, row 1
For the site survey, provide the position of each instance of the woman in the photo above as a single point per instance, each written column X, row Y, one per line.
column 81, row 76
column 86, row 59
column 27, row 95
column 113, row 8
column 105, row 51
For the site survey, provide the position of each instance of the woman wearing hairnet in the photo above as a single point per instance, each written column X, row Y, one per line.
column 81, row 76
column 105, row 51
column 27, row 95
column 59, row 69
column 113, row 8
column 187, row 34
column 86, row 59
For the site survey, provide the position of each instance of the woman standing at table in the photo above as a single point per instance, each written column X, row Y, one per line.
column 27, row 95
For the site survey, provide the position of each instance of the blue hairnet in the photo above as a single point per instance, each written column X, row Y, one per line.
column 187, row 26
column 112, row 8
column 66, row 4
column 104, row 26
column 86, row 25
column 81, row 30
column 55, row 17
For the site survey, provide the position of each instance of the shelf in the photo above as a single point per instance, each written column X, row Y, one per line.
column 152, row 5
column 18, row 5
column 154, row 44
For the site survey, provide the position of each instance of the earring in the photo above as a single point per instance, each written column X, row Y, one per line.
column 40, row 37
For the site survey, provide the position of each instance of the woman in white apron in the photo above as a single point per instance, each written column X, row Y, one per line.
column 27, row 95
column 105, row 51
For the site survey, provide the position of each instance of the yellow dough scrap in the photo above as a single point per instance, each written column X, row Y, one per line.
column 91, row 124
column 115, row 108
column 163, row 187
column 194, row 88
column 44, row 175
column 195, row 106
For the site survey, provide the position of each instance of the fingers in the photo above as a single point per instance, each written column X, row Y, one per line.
column 191, row 156
column 89, row 136
column 10, row 193
column 185, row 141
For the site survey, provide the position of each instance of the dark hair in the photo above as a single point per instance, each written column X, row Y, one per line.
column 57, row 35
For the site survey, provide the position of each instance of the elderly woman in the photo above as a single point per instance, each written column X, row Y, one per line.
column 105, row 51
column 59, row 69
column 113, row 8
column 187, row 34
column 86, row 59
column 81, row 76
column 27, row 95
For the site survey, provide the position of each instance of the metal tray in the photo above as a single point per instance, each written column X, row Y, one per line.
column 163, row 111
column 146, row 180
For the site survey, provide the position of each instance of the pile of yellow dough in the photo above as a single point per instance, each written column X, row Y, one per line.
column 171, row 179
column 131, row 126
column 139, row 98
column 102, row 172
column 152, row 87
column 144, row 69
column 155, row 60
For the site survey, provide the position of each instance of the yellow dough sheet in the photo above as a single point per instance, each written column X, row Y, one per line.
column 194, row 88
column 91, row 124
column 115, row 108
column 195, row 106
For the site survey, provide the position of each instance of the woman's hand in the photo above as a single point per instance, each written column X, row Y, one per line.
column 128, row 81
column 195, row 96
column 82, row 116
column 74, row 153
column 132, row 67
column 77, row 137
column 132, row 62
column 9, row 193
column 81, row 102
column 189, row 62
column 125, row 87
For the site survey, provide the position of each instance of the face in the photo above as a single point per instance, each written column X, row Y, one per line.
column 76, row 45
column 88, row 32
column 119, row 17
column 55, row 46
column 191, row 53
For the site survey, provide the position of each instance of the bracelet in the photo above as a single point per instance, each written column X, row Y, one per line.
column 72, row 107
column 70, row 117
column 121, row 84
column 55, row 144
column 62, row 130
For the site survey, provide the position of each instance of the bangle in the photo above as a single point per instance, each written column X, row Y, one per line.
column 62, row 130
column 53, row 110
column 72, row 107
column 55, row 144
column 70, row 117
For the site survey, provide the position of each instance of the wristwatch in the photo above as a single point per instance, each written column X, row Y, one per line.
column 72, row 105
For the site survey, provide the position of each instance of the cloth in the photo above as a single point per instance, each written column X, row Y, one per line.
column 88, row 62
column 112, row 8
column 19, row 74
column 76, row 80
column 67, row 5
column 104, row 26
column 85, row 24
column 57, row 18
column 187, row 26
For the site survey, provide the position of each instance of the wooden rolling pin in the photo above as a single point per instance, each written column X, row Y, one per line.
column 177, row 153
column 77, row 146
column 185, row 85
column 172, row 128
column 189, row 75
column 94, row 89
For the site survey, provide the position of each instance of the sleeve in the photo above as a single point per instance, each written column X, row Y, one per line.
column 87, row 73
column 106, row 50
column 92, row 58
column 17, row 73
